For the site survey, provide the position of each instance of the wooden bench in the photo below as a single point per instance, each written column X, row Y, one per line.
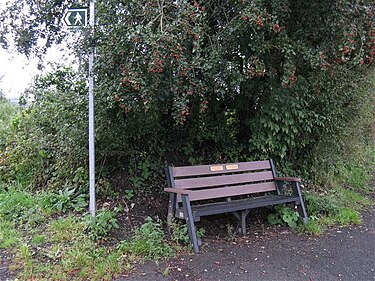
column 197, row 191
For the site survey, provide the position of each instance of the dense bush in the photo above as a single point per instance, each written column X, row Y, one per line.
column 197, row 82
column 345, row 149
column 214, row 81
column 7, row 111
column 47, row 142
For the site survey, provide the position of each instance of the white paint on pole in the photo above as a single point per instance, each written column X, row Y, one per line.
column 91, row 113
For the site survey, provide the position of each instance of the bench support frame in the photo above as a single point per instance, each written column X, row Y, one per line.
column 190, row 222
column 239, row 208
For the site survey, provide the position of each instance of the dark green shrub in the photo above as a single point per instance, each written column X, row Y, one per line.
column 99, row 227
column 284, row 216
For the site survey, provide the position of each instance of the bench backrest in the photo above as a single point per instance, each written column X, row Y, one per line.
column 223, row 180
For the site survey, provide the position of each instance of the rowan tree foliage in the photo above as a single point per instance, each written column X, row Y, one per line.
column 213, row 81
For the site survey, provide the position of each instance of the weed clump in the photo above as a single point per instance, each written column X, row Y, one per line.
column 148, row 241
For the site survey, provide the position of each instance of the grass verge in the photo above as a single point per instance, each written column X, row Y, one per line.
column 48, row 244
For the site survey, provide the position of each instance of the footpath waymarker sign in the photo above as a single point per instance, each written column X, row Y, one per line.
column 76, row 17
column 92, row 205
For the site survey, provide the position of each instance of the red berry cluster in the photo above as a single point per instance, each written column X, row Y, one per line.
column 292, row 79
column 157, row 65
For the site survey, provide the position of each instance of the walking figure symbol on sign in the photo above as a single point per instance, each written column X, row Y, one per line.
column 78, row 19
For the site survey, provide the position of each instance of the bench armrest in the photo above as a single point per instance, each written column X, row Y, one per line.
column 287, row 179
column 178, row 190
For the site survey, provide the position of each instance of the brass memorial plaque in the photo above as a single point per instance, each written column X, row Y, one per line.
column 231, row 167
column 216, row 168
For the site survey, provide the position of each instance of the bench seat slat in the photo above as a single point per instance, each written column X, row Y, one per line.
column 186, row 171
column 223, row 180
column 238, row 190
column 243, row 204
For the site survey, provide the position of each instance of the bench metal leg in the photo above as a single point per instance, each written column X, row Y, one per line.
column 302, row 212
column 241, row 216
column 301, row 207
column 171, row 210
column 243, row 221
column 190, row 222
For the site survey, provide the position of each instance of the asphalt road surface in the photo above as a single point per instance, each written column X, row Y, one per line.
column 346, row 253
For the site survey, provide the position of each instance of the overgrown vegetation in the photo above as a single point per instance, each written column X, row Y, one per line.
column 339, row 203
column 7, row 111
column 285, row 216
column 185, row 82
column 47, row 243
column 47, row 141
column 148, row 241
column 188, row 82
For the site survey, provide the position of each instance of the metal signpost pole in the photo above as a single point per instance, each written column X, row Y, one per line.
column 76, row 18
column 91, row 113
